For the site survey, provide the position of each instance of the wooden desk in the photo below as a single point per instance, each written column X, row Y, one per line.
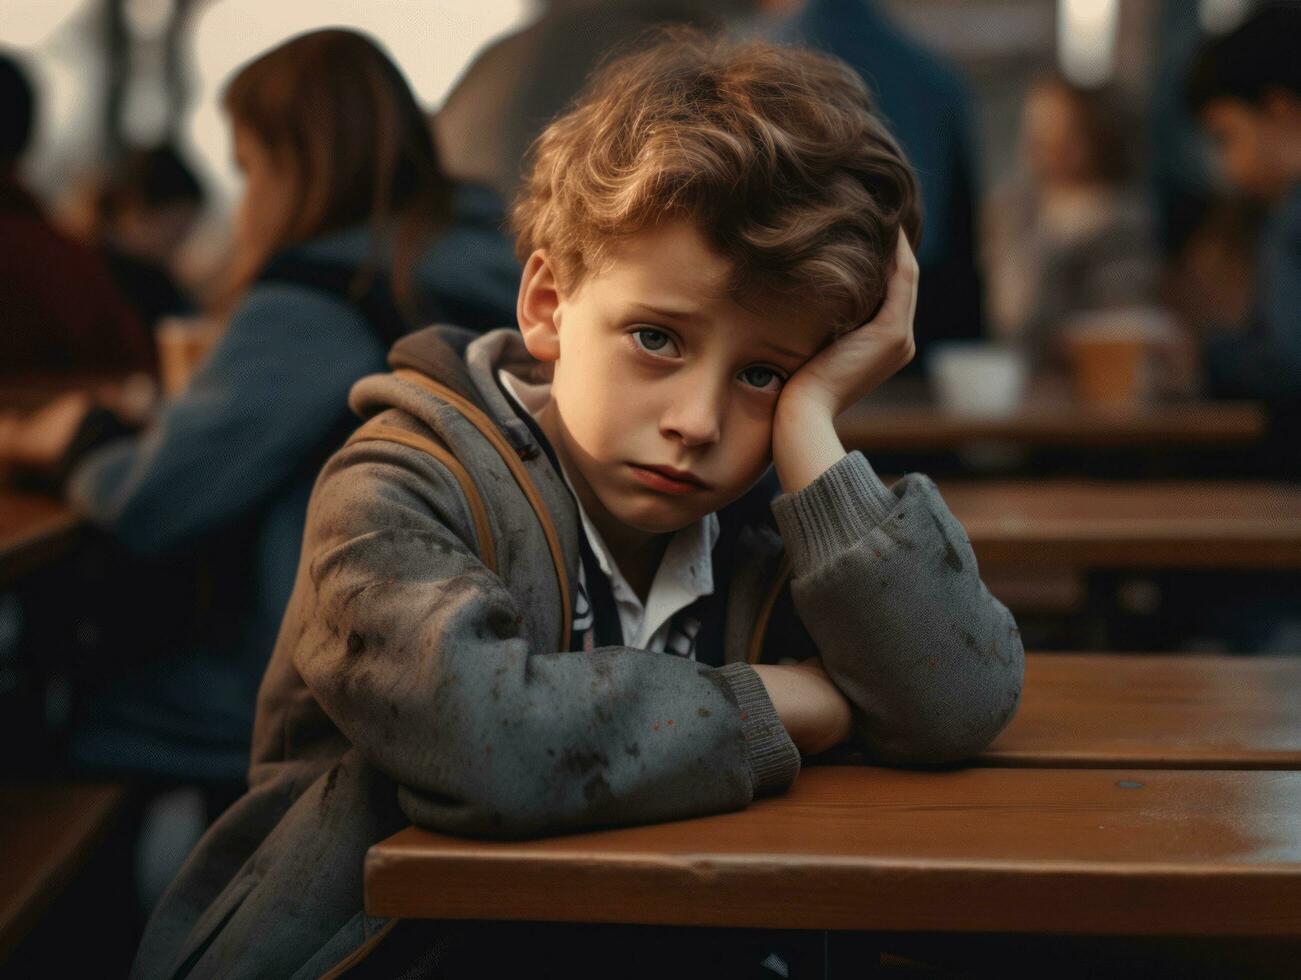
column 923, row 427
column 1155, row 712
column 1078, row 851
column 903, row 415
column 1180, row 524
column 48, row 831
column 34, row 530
column 31, row 390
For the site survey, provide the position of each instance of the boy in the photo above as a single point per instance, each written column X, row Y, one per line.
column 695, row 232
column 1245, row 88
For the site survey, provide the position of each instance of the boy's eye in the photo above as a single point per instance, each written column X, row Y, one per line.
column 655, row 342
column 763, row 378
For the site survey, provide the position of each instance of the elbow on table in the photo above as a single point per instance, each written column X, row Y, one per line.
column 490, row 816
column 492, row 803
column 957, row 725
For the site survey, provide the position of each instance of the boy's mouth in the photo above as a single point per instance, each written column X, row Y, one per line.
column 667, row 479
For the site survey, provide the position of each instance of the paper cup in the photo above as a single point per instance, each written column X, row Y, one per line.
column 183, row 343
column 1112, row 355
column 977, row 379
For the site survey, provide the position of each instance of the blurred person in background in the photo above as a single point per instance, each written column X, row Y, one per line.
column 60, row 309
column 1245, row 88
column 517, row 84
column 1211, row 274
column 1070, row 235
column 347, row 234
column 929, row 109
column 142, row 218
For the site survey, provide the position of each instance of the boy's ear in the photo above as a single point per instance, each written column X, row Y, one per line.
column 537, row 308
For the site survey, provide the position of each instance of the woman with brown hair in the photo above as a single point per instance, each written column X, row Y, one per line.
column 1068, row 235
column 347, row 235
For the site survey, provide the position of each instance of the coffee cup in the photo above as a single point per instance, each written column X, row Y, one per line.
column 1113, row 355
column 977, row 379
column 183, row 344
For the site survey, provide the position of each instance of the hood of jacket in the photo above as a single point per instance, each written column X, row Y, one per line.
column 467, row 363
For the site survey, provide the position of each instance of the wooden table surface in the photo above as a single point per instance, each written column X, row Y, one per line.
column 903, row 415
column 1155, row 712
column 31, row 390
column 1072, row 851
column 1170, row 524
column 924, row 427
column 34, row 530
column 48, row 830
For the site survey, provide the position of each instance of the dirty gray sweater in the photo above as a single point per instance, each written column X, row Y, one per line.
column 410, row 684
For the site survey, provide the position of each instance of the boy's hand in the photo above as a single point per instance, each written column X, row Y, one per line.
column 811, row 708
column 804, row 439
column 857, row 362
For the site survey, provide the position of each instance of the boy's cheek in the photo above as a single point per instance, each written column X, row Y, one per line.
column 747, row 469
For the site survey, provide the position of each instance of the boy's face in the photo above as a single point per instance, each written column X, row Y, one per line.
column 1257, row 146
column 656, row 367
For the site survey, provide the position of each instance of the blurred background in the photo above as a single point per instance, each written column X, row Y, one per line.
column 116, row 75
column 1109, row 333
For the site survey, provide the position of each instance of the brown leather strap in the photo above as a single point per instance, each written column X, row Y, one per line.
column 344, row 965
column 478, row 512
column 489, row 429
column 755, row 648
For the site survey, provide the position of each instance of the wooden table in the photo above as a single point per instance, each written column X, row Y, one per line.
column 1063, row 851
column 1165, row 524
column 903, row 417
column 31, row 390
column 34, row 530
column 1155, row 712
column 48, row 830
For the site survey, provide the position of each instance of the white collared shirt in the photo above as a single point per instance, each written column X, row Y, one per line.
column 685, row 574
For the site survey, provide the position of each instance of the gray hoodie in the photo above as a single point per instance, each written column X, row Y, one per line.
column 410, row 684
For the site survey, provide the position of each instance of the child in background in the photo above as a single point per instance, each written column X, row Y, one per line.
column 59, row 309
column 634, row 617
column 1245, row 88
column 142, row 219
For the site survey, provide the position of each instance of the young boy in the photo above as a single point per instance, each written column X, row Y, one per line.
column 1246, row 90
column 703, row 234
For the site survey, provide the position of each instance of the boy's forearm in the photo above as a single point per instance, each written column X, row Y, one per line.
column 886, row 584
column 805, row 443
column 813, row 711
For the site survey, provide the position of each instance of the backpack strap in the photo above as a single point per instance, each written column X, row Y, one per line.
column 426, row 444
column 755, row 647
column 359, row 953
column 483, row 531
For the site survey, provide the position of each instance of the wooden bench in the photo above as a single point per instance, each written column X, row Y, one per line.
column 1155, row 712
column 1116, row 524
column 916, row 424
column 1048, row 851
column 34, row 531
column 49, row 830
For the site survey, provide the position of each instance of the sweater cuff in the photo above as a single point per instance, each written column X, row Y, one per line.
column 774, row 759
column 834, row 512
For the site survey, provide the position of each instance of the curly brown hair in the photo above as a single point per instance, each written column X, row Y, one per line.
column 776, row 154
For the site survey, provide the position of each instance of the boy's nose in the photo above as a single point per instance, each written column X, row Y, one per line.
column 694, row 416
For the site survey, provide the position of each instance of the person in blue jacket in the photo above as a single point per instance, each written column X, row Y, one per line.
column 348, row 235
